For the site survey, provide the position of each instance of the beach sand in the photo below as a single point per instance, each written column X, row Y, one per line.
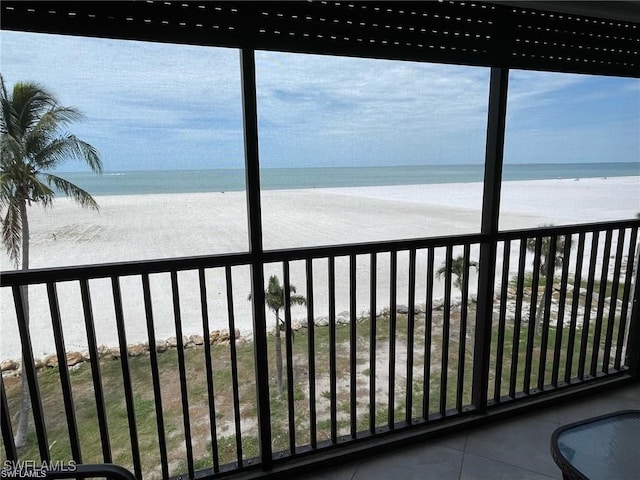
column 141, row 227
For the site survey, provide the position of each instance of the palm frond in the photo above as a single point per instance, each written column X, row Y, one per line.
column 7, row 109
column 3, row 88
column 12, row 231
column 30, row 101
column 80, row 196
column 41, row 193
column 457, row 269
column 297, row 299
column 6, row 190
column 545, row 250
column 20, row 183
column 63, row 148
column 11, row 149
column 48, row 126
column 274, row 295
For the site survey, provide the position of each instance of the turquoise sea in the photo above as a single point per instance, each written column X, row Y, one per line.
column 192, row 181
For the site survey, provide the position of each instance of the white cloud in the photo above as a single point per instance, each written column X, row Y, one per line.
column 335, row 93
column 336, row 110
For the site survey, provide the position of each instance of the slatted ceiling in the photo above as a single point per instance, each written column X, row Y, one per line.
column 558, row 39
column 470, row 33
column 397, row 30
column 200, row 23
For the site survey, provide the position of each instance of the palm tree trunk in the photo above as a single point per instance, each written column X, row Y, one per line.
column 278, row 358
column 539, row 314
column 20, row 438
column 544, row 272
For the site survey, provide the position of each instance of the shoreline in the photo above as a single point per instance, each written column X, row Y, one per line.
column 144, row 227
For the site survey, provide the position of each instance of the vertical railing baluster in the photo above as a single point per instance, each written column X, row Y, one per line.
column 613, row 300
column 353, row 345
column 20, row 299
column 208, row 359
column 393, row 322
column 373, row 328
column 595, row 352
column 5, row 425
column 533, row 322
column 411, row 297
column 126, row 375
column 462, row 342
column 548, row 293
column 155, row 375
column 587, row 305
column 63, row 370
column 428, row 335
column 182, row 372
column 311, row 346
column 502, row 319
column 517, row 323
column 575, row 303
column 628, row 282
column 332, row 351
column 444, row 370
column 289, row 352
column 234, row 364
column 566, row 253
column 95, row 370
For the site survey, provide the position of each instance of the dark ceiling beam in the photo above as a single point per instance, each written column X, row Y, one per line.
column 461, row 32
column 628, row 11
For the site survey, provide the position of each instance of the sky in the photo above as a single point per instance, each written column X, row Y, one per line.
column 152, row 106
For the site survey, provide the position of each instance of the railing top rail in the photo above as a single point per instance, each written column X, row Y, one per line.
column 370, row 247
column 567, row 229
column 122, row 269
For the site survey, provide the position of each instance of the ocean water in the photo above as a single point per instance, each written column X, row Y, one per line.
column 220, row 180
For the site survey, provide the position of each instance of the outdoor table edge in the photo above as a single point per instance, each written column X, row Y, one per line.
column 566, row 467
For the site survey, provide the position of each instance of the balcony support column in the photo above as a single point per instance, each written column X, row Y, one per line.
column 254, row 214
column 489, row 229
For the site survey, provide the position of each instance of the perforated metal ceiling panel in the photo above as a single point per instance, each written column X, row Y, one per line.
column 471, row 33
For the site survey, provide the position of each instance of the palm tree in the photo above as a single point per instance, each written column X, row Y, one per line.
column 545, row 261
column 31, row 145
column 457, row 269
column 274, row 298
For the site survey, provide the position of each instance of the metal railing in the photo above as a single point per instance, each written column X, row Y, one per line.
column 386, row 343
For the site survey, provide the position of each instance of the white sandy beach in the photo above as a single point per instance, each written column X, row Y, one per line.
column 140, row 227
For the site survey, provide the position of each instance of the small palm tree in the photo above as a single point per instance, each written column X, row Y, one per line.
column 545, row 261
column 31, row 145
column 274, row 298
column 457, row 270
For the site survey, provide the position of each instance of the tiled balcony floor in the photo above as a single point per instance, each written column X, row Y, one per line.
column 518, row 448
